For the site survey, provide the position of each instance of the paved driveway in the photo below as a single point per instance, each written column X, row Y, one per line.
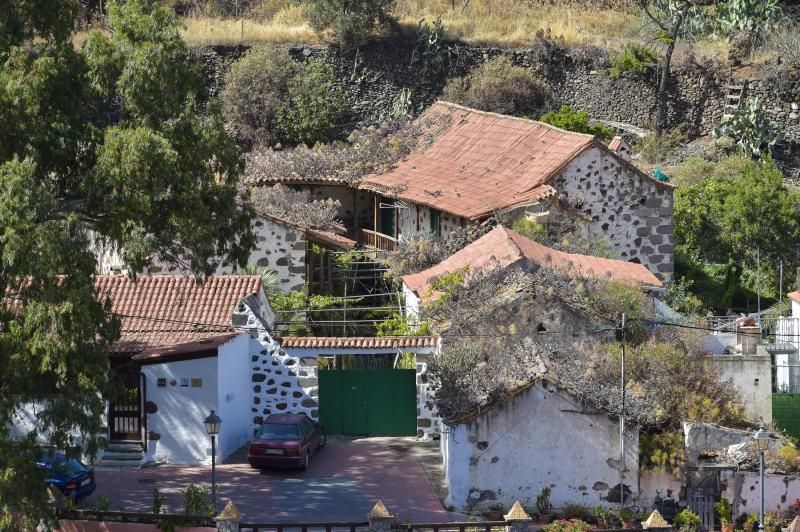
column 342, row 484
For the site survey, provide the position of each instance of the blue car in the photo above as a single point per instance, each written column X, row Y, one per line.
column 72, row 478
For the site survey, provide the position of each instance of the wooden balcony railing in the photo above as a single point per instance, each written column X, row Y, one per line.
column 375, row 240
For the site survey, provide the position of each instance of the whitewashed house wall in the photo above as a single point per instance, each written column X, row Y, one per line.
column 541, row 437
column 176, row 431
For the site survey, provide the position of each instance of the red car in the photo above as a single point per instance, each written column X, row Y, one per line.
column 286, row 440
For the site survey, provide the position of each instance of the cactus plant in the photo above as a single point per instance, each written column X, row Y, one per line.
column 750, row 128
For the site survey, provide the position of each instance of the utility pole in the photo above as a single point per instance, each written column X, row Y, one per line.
column 622, row 424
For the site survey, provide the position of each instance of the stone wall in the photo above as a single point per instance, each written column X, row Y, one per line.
column 374, row 77
column 282, row 383
column 280, row 247
column 631, row 211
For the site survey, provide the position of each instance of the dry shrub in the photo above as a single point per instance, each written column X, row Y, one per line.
column 256, row 89
column 500, row 87
column 295, row 206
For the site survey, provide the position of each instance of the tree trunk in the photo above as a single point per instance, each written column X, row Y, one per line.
column 671, row 39
column 733, row 275
column 663, row 86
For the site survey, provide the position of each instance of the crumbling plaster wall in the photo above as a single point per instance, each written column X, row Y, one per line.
column 752, row 374
column 743, row 489
column 417, row 218
column 540, row 437
column 629, row 210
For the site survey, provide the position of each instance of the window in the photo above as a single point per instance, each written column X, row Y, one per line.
column 278, row 431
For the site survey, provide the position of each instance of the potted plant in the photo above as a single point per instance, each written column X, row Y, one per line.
column 725, row 511
column 628, row 518
column 602, row 516
column 543, row 506
column 686, row 521
column 496, row 512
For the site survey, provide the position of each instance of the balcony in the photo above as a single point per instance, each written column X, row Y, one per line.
column 375, row 240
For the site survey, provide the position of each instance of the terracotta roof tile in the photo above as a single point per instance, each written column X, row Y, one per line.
column 358, row 342
column 205, row 346
column 502, row 247
column 167, row 310
column 794, row 296
column 481, row 163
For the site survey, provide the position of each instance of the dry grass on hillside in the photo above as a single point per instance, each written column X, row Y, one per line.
column 287, row 25
column 496, row 22
column 515, row 22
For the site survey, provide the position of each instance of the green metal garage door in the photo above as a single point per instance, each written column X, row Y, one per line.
column 786, row 412
column 375, row 402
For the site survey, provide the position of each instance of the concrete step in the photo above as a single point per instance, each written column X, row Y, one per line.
column 122, row 454
column 128, row 456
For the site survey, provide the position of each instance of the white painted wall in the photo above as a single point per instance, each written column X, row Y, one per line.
column 717, row 342
column 795, row 309
column 24, row 421
column 412, row 303
column 234, row 394
column 780, row 491
column 752, row 374
column 541, row 437
column 178, row 421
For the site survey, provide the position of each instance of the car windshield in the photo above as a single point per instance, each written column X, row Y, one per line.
column 279, row 431
column 61, row 464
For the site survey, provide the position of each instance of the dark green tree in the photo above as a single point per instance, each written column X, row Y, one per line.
column 114, row 143
column 352, row 21
column 729, row 220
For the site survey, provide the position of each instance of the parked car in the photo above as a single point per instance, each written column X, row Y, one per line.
column 286, row 440
column 75, row 480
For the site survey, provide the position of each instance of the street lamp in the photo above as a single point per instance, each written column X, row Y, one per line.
column 212, row 423
column 762, row 441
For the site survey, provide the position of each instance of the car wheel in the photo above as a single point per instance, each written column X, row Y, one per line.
column 306, row 460
column 322, row 441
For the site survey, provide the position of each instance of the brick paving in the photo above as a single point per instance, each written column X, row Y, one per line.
column 342, row 484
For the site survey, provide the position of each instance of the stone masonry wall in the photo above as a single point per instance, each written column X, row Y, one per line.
column 281, row 383
column 373, row 79
column 279, row 247
column 632, row 212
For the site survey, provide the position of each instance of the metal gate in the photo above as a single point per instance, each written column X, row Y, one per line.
column 786, row 412
column 124, row 409
column 368, row 402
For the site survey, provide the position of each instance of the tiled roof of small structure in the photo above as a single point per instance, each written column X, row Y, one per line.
column 358, row 342
column 186, row 350
column 502, row 247
column 794, row 296
column 481, row 163
column 167, row 310
column 256, row 176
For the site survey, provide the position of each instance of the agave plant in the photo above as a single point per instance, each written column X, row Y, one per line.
column 749, row 128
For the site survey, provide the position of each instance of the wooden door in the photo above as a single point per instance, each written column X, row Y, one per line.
column 124, row 410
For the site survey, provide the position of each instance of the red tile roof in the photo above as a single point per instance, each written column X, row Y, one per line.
column 481, row 162
column 256, row 163
column 358, row 342
column 167, row 310
column 502, row 247
column 794, row 296
column 206, row 347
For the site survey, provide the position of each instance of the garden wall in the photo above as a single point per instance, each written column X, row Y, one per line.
column 373, row 78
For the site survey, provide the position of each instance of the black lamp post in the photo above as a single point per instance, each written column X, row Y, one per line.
column 762, row 440
column 212, row 423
